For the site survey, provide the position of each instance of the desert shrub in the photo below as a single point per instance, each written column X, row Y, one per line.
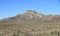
column 40, row 34
column 26, row 34
column 16, row 33
column 52, row 33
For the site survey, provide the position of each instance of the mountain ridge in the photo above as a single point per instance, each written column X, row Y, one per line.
column 32, row 16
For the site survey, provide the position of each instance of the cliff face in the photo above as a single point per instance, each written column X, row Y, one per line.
column 33, row 16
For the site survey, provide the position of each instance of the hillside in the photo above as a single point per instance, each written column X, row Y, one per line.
column 30, row 23
column 32, row 16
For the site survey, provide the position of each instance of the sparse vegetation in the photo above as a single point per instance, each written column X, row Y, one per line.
column 31, row 29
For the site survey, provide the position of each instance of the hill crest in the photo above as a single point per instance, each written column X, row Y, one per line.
column 32, row 16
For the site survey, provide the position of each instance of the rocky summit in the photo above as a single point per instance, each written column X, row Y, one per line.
column 32, row 16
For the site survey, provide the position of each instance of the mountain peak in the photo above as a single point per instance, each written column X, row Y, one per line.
column 31, row 12
column 32, row 15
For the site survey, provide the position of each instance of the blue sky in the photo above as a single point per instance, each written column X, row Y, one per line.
column 10, row 8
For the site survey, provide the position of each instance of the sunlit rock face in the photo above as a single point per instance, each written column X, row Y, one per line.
column 34, row 13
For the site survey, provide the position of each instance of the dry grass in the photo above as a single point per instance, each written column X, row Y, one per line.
column 30, row 29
